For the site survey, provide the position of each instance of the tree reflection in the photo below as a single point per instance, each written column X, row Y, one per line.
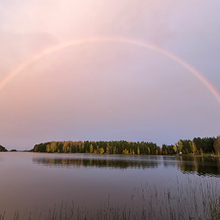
column 200, row 166
column 187, row 165
column 99, row 163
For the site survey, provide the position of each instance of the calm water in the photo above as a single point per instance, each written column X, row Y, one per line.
column 36, row 182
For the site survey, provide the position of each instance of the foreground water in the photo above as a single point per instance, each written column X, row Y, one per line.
column 148, row 187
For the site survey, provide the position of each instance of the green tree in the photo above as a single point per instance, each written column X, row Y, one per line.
column 164, row 149
column 206, row 144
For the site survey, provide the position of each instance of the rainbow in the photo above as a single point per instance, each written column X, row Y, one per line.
column 66, row 44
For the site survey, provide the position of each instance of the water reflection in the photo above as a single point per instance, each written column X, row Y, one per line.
column 202, row 166
column 96, row 163
column 187, row 165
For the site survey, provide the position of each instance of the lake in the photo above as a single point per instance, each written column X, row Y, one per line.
column 39, row 185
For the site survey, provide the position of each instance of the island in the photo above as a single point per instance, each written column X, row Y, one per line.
column 3, row 149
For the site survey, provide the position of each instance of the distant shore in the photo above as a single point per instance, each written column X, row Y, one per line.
column 198, row 147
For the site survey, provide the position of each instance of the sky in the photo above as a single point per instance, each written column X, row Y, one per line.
column 78, row 70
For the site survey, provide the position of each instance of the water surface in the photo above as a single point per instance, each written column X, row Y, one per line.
column 35, row 182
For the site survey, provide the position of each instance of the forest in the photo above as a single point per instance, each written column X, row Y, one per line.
column 196, row 146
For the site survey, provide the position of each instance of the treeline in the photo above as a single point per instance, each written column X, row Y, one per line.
column 196, row 146
column 199, row 145
column 99, row 147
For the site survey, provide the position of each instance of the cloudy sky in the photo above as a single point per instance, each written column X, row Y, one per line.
column 108, row 89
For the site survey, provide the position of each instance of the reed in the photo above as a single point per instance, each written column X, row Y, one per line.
column 194, row 199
